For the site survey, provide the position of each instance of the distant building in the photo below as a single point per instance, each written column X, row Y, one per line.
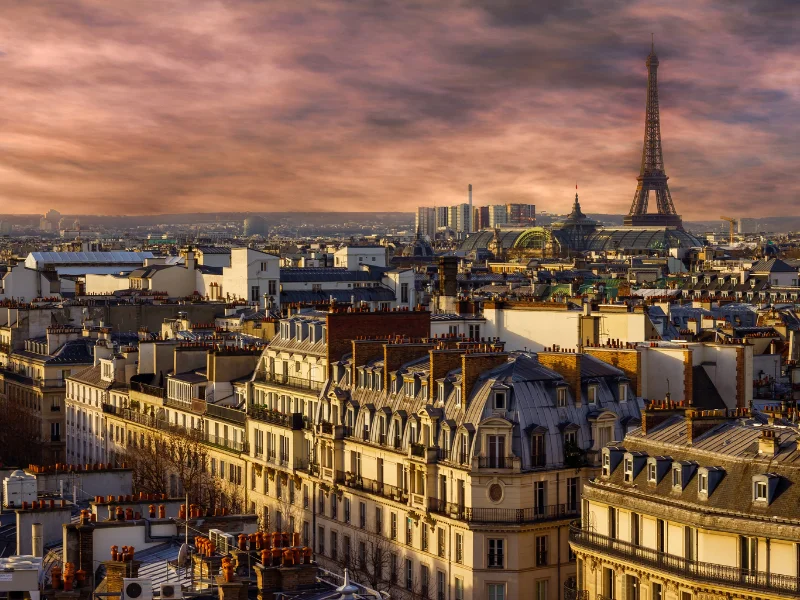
column 497, row 215
column 255, row 225
column 522, row 215
column 481, row 217
column 425, row 222
column 458, row 218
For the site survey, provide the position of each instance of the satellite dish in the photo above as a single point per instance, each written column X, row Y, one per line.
column 183, row 554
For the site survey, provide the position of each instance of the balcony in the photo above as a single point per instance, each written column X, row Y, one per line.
column 681, row 567
column 501, row 515
column 224, row 443
column 21, row 377
column 226, row 413
column 573, row 593
column 371, row 486
column 292, row 421
column 150, row 390
column 495, row 462
column 298, row 383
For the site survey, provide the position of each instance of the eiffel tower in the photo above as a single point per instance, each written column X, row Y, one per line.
column 652, row 176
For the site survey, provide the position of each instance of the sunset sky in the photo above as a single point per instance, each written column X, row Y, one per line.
column 132, row 107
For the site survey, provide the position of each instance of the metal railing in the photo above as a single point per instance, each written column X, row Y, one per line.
column 267, row 415
column 572, row 593
column 683, row 567
column 150, row 390
column 226, row 413
column 365, row 484
column 495, row 462
column 294, row 382
column 500, row 515
column 418, row 450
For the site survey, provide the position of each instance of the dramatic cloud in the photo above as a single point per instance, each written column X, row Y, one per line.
column 200, row 105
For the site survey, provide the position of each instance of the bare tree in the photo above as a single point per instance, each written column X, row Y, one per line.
column 173, row 462
column 367, row 556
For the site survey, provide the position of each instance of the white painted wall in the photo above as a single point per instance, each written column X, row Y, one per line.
column 105, row 284
column 353, row 257
column 251, row 268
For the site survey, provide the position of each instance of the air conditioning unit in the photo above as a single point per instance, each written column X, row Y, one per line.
column 227, row 543
column 137, row 589
column 171, row 591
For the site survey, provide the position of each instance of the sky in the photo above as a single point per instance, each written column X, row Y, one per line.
column 113, row 107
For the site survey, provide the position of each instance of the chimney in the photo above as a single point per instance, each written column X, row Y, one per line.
column 699, row 422
column 190, row 263
column 566, row 364
column 365, row 351
column 472, row 365
column 768, row 443
column 396, row 355
column 37, row 537
column 657, row 412
column 441, row 363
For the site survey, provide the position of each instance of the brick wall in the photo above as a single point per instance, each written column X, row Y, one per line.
column 568, row 365
column 344, row 327
column 628, row 360
column 396, row 355
column 740, row 378
column 442, row 362
column 365, row 351
column 472, row 365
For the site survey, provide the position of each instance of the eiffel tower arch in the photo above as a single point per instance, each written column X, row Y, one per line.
column 652, row 177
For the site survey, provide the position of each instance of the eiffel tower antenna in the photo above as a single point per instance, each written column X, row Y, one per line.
column 652, row 176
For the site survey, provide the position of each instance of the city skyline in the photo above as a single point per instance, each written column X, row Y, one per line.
column 347, row 107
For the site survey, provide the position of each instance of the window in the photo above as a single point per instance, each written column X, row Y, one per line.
column 661, row 535
column 760, row 491
column 657, row 592
column 425, row 580
column 628, row 469
column 748, row 547
column 334, row 545
column 541, row 589
column 500, row 400
column 676, row 477
column 495, row 557
column 424, row 533
column 572, row 493
column 475, row 331
column 409, row 531
column 631, row 587
column 459, row 589
column 689, row 543
column 378, row 520
column 393, row 522
column 561, row 396
column 273, row 287
column 497, row 449
column 636, row 529
column 321, row 538
column 592, row 393
column 441, row 585
column 612, row 522
column 346, row 509
column 538, row 454
column 496, row 591
column 623, row 392
column 409, row 574
column 254, row 293
column 404, row 293
column 702, row 483
column 459, row 547
column 334, row 507
column 362, row 515
column 652, row 476
column 539, row 497
column 440, row 543
column 606, row 464
column 541, row 550
column 609, row 583
column 393, row 568
column 362, row 553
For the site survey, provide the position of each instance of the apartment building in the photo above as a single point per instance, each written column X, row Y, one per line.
column 694, row 505
column 442, row 468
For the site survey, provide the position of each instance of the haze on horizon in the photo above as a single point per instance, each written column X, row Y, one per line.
column 244, row 105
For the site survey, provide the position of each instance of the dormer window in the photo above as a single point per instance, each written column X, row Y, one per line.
column 702, row 483
column 628, row 466
column 652, row 473
column 623, row 392
column 760, row 491
column 561, row 396
column 592, row 392
column 676, row 478
column 441, row 391
column 606, row 465
column 458, row 397
column 500, row 400
column 764, row 487
column 408, row 387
